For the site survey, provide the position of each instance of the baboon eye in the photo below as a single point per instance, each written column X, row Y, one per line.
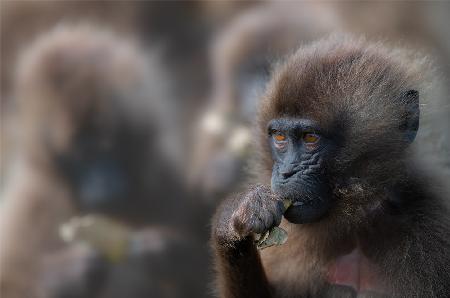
column 279, row 137
column 310, row 138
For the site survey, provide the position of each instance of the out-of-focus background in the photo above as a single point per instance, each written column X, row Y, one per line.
column 124, row 124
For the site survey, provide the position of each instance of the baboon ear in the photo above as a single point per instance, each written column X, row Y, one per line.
column 410, row 124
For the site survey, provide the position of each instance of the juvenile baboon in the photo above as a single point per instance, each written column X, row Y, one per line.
column 334, row 133
column 96, row 136
column 248, row 49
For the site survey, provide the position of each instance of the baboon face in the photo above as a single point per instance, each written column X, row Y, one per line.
column 105, row 162
column 90, row 105
column 103, row 150
column 332, row 125
column 300, row 152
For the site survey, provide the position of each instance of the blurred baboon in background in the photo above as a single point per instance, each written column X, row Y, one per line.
column 179, row 31
column 40, row 17
column 245, row 52
column 97, row 136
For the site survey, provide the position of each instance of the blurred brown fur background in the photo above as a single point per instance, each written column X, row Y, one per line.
column 133, row 120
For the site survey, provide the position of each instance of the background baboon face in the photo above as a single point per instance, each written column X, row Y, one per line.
column 106, row 163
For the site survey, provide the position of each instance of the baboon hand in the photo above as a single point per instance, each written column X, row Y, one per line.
column 255, row 211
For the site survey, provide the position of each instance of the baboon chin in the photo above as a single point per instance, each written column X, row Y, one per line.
column 334, row 134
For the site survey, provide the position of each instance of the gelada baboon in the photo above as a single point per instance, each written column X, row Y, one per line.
column 334, row 133
column 246, row 50
column 95, row 137
column 91, row 106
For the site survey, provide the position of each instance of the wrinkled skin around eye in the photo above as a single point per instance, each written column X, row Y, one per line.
column 298, row 172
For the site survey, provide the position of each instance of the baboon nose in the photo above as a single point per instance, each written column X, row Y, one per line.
column 288, row 173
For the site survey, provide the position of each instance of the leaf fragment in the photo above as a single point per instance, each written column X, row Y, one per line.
column 275, row 235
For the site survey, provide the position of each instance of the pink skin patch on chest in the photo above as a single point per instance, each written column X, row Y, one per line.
column 355, row 270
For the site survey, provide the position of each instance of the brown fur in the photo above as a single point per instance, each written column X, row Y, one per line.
column 347, row 84
column 354, row 86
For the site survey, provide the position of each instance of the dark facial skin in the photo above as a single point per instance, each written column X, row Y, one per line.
column 300, row 152
column 104, row 166
column 96, row 173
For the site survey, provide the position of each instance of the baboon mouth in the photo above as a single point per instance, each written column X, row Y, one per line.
column 306, row 212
